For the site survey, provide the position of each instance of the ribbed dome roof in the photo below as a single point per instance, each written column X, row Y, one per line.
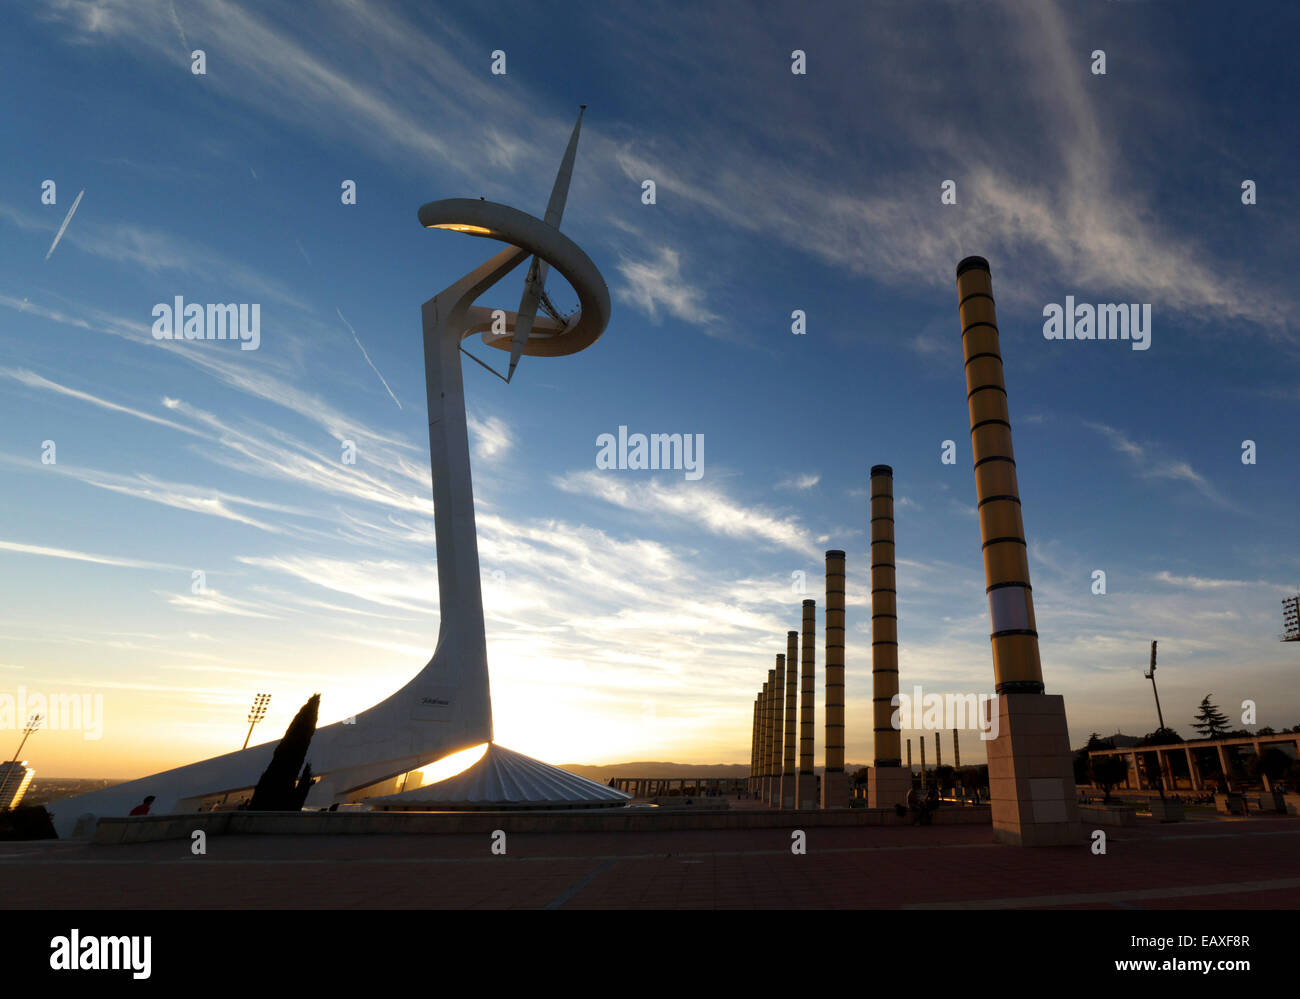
column 504, row 779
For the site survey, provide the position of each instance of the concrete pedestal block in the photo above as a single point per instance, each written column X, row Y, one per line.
column 835, row 790
column 887, row 786
column 786, row 796
column 805, row 790
column 1031, row 776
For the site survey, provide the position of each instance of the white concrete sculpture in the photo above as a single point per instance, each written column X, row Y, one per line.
column 447, row 706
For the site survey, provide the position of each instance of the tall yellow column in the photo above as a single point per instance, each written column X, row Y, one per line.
column 835, row 785
column 791, row 721
column 884, row 618
column 778, row 730
column 887, row 781
column 956, row 750
column 1031, row 779
column 806, row 782
column 753, row 751
column 765, row 737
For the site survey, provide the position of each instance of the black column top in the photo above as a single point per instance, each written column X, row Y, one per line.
column 882, row 470
column 970, row 263
column 834, row 553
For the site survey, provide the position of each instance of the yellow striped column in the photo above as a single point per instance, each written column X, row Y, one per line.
column 806, row 783
column 765, row 736
column 1031, row 777
column 1016, row 666
column 778, row 730
column 753, row 751
column 791, row 720
column 884, row 619
column 834, row 782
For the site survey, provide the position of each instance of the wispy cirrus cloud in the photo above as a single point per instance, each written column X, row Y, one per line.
column 1206, row 583
column 492, row 436
column 800, row 482
column 1150, row 463
column 67, row 553
column 703, row 506
column 36, row 381
column 215, row 602
column 656, row 284
column 178, row 495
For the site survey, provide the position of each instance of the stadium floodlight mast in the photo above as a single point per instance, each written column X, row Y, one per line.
column 33, row 723
column 256, row 713
column 1151, row 675
column 1291, row 619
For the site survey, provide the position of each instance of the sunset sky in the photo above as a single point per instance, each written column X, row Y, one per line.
column 631, row 615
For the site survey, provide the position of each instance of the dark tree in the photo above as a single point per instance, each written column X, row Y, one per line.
column 1109, row 772
column 1210, row 722
column 1273, row 764
column 1160, row 737
column 27, row 822
column 279, row 789
column 1082, row 764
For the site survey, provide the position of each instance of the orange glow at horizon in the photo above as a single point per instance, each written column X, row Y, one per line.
column 450, row 766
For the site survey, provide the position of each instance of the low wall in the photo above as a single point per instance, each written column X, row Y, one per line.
column 147, row 828
column 1114, row 815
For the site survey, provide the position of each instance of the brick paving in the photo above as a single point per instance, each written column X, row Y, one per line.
column 1208, row 864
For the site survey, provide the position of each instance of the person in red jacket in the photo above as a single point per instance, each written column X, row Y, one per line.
column 143, row 807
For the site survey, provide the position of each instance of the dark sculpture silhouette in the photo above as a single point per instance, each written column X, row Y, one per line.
column 280, row 789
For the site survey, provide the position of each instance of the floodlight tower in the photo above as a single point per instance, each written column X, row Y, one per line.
column 1151, row 675
column 1291, row 619
column 33, row 723
column 256, row 713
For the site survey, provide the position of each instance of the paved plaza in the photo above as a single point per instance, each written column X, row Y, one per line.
column 1207, row 863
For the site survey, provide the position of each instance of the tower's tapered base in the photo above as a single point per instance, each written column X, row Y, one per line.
column 888, row 786
column 835, row 790
column 787, row 795
column 1031, row 775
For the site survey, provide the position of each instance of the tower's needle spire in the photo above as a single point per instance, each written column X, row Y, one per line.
column 537, row 269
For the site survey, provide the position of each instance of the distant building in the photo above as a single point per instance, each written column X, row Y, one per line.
column 14, row 779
